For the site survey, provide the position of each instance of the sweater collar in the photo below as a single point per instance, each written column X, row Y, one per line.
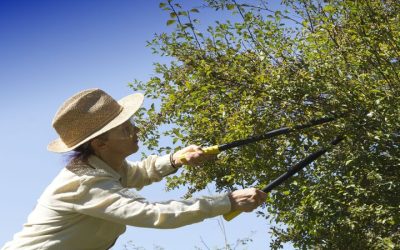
column 98, row 163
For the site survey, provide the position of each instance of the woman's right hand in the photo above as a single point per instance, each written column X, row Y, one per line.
column 246, row 200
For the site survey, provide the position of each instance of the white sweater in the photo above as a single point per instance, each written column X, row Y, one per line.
column 87, row 206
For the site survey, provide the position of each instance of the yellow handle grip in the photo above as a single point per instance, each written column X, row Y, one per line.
column 229, row 216
column 213, row 150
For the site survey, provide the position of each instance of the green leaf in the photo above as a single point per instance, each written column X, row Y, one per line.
column 230, row 6
column 329, row 8
column 169, row 22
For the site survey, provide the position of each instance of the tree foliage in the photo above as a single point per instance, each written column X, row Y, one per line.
column 262, row 68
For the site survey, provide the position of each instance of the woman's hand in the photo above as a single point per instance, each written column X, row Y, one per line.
column 192, row 155
column 246, row 200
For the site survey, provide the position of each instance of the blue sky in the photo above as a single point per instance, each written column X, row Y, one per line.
column 49, row 50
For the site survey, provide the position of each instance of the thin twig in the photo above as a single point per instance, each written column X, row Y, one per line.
column 202, row 241
column 193, row 31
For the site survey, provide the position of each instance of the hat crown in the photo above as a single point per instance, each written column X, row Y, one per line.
column 83, row 114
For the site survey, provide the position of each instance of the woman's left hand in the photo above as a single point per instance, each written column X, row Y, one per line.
column 191, row 155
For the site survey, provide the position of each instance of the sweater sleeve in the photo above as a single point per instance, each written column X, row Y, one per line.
column 152, row 169
column 108, row 200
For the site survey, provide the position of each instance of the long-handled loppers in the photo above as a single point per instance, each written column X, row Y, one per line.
column 293, row 170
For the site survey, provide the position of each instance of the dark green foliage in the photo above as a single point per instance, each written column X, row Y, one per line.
column 265, row 69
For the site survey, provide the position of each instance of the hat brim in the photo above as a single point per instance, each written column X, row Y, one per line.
column 130, row 104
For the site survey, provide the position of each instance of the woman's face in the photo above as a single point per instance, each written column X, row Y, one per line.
column 124, row 139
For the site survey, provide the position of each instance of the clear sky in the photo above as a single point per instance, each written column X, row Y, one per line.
column 49, row 50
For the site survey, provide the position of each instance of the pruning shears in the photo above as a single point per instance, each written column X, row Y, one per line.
column 216, row 149
column 285, row 130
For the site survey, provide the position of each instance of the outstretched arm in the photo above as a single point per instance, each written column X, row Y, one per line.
column 154, row 168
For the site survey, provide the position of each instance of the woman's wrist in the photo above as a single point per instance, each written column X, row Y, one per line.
column 173, row 161
column 233, row 202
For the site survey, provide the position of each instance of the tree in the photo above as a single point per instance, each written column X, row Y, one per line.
column 265, row 68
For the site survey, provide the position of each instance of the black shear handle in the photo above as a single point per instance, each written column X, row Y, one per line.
column 299, row 166
column 273, row 133
column 293, row 170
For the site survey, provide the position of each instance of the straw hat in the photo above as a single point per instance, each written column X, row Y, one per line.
column 88, row 114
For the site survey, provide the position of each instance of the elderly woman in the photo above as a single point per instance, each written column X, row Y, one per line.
column 90, row 202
